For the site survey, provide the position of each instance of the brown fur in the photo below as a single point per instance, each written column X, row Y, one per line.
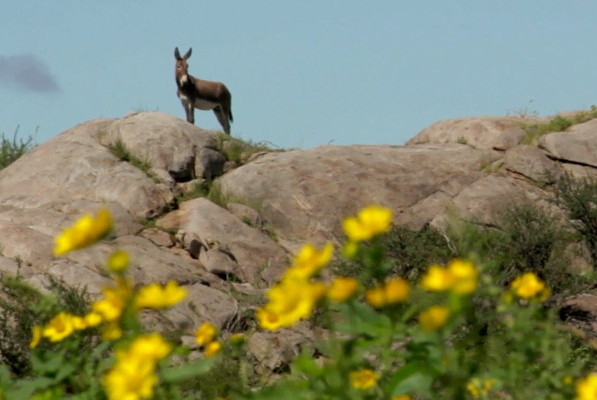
column 198, row 93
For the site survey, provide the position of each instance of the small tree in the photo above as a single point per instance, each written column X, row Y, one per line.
column 579, row 199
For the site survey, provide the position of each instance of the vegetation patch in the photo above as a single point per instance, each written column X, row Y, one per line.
column 201, row 189
column 123, row 153
column 240, row 151
column 556, row 124
column 12, row 149
column 22, row 307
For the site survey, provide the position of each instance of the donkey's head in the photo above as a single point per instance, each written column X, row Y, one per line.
column 181, row 69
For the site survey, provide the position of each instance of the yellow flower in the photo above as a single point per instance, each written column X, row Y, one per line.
column 394, row 290
column 115, row 299
column 158, row 297
column 79, row 323
column 401, row 397
column 268, row 319
column 92, row 319
column 118, row 261
column 376, row 296
column 342, row 288
column 131, row 378
column 111, row 306
column 309, row 261
column 289, row 301
column 212, row 349
column 465, row 276
column 36, row 336
column 478, row 388
column 437, row 279
column 60, row 327
column 206, row 333
column 151, row 347
column 586, row 388
column 86, row 231
column 459, row 276
column 363, row 379
column 111, row 331
column 433, row 318
column 369, row 222
column 529, row 285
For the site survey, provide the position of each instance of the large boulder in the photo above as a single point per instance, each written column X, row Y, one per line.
column 208, row 231
column 479, row 132
column 304, row 194
column 577, row 145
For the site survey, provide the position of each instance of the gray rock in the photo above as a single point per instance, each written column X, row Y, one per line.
column 478, row 132
column 210, row 164
column 305, row 194
column 533, row 163
column 162, row 140
column 577, row 145
column 245, row 214
column 222, row 264
column 259, row 257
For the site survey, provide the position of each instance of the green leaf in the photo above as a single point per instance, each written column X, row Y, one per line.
column 65, row 371
column 187, row 371
column 48, row 366
column 411, row 378
column 306, row 364
column 26, row 388
column 360, row 319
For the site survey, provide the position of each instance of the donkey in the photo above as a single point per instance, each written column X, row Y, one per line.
column 204, row 95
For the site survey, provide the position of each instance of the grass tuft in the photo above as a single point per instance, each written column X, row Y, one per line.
column 556, row 124
column 123, row 153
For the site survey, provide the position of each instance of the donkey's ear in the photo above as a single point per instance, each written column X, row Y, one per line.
column 188, row 53
column 177, row 53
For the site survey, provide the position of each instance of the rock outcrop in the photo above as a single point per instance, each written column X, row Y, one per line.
column 141, row 165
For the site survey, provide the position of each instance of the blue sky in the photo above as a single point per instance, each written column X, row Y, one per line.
column 302, row 73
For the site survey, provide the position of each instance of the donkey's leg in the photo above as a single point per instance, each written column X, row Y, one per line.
column 190, row 114
column 222, row 119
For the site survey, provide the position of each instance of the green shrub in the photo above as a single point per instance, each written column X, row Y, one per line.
column 22, row 307
column 450, row 332
column 407, row 252
column 11, row 150
column 579, row 198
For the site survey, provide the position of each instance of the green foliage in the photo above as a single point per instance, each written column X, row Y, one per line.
column 216, row 195
column 557, row 124
column 120, row 150
column 201, row 189
column 408, row 252
column 526, row 238
column 579, row 198
column 11, row 150
column 239, row 151
column 22, row 307
column 489, row 340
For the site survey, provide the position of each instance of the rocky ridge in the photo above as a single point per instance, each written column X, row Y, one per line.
column 142, row 166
